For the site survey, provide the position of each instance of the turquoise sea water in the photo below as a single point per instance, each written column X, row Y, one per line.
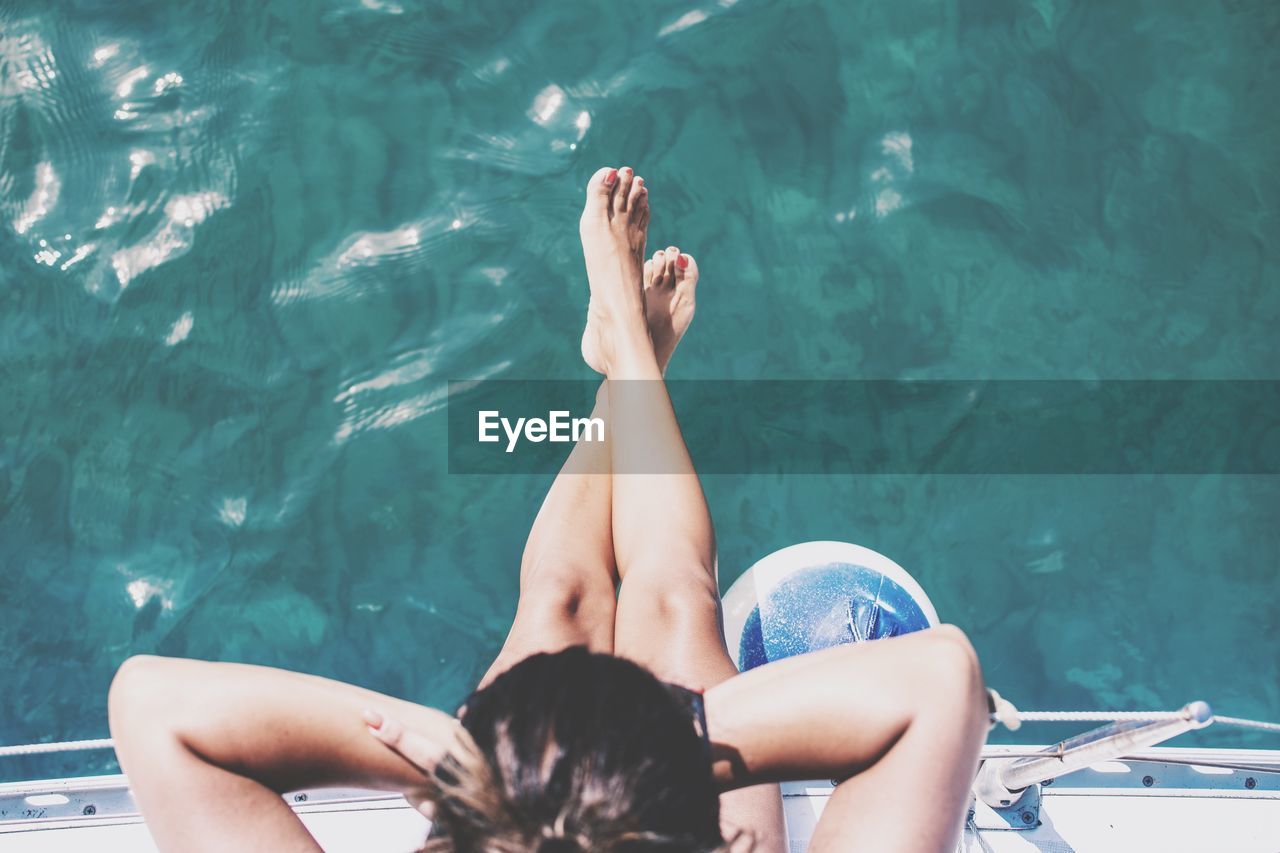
column 244, row 245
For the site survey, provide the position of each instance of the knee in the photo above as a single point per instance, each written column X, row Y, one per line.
column 567, row 594
column 675, row 602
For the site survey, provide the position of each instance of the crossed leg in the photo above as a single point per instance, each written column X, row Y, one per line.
column 667, row 615
column 568, row 574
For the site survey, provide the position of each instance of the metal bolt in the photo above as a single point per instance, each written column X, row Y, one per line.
column 1147, row 781
column 299, row 798
column 90, row 810
column 1028, row 818
column 1251, row 783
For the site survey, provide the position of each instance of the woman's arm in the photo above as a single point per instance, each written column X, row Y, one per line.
column 209, row 748
column 898, row 720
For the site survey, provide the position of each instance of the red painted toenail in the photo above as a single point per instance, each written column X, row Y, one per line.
column 627, row 169
column 682, row 262
column 611, row 177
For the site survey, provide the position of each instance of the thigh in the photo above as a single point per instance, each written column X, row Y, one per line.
column 561, row 605
column 670, row 623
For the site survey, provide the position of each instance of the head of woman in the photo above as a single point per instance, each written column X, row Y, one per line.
column 576, row 751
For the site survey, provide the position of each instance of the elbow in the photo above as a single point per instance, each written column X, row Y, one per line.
column 136, row 700
column 954, row 679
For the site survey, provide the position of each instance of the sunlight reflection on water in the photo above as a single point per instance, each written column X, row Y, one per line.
column 243, row 252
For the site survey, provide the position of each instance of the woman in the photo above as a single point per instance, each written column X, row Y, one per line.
column 613, row 718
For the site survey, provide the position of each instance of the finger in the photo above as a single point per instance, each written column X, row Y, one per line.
column 420, row 751
column 422, row 803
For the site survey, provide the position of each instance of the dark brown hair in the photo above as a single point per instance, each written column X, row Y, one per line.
column 577, row 751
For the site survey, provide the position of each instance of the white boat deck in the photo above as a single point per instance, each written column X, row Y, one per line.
column 1153, row 802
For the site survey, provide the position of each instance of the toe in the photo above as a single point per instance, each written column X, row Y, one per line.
column 640, row 208
column 661, row 275
column 600, row 187
column 639, row 195
column 686, row 270
column 622, row 190
column 670, row 259
column 649, row 267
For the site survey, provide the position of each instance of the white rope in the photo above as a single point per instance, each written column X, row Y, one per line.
column 1248, row 724
column 972, row 825
column 1099, row 716
column 1004, row 712
column 64, row 746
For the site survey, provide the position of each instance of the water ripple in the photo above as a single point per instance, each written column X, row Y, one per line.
column 113, row 149
column 244, row 247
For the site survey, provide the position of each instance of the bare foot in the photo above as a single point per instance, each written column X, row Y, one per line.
column 670, row 279
column 613, row 228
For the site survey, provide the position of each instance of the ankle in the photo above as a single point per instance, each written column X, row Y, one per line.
column 633, row 356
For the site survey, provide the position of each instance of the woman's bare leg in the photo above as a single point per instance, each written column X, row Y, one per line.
column 668, row 615
column 568, row 577
column 210, row 747
column 670, row 579
column 568, row 580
